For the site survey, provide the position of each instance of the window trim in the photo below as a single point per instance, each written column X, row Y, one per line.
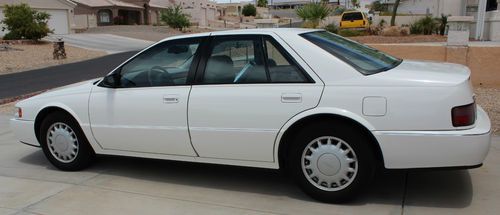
column 191, row 71
column 260, row 38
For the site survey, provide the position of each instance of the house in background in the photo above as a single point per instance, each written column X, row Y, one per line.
column 124, row 12
column 61, row 13
column 92, row 13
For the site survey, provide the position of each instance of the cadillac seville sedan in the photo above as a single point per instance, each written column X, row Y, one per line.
column 326, row 109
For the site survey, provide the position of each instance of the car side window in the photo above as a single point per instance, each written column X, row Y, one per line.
column 281, row 68
column 165, row 64
column 235, row 60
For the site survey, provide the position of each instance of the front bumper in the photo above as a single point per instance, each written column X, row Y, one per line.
column 24, row 131
column 429, row 149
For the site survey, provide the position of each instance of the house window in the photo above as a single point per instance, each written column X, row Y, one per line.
column 491, row 5
column 104, row 16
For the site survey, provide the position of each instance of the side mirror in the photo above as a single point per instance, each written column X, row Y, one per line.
column 111, row 81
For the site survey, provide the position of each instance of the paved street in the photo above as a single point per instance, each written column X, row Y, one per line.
column 41, row 79
column 30, row 185
column 103, row 42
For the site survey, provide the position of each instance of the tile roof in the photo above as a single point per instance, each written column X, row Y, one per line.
column 106, row 3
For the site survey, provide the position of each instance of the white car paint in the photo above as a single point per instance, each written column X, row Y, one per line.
column 243, row 125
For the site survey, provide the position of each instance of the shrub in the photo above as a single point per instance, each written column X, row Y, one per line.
column 442, row 22
column 350, row 33
column 262, row 3
column 425, row 26
column 381, row 23
column 333, row 28
column 249, row 10
column 175, row 18
column 314, row 13
column 23, row 22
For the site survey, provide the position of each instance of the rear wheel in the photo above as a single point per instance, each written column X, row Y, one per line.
column 64, row 143
column 331, row 163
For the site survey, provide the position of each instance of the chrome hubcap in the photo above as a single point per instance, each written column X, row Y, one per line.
column 329, row 163
column 62, row 142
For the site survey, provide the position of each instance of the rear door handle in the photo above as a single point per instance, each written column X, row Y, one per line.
column 170, row 99
column 291, row 98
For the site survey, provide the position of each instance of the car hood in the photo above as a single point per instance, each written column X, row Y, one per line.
column 419, row 73
column 76, row 88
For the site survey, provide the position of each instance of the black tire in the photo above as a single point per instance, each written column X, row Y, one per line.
column 359, row 142
column 85, row 154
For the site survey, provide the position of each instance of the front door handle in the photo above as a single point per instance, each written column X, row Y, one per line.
column 291, row 98
column 170, row 99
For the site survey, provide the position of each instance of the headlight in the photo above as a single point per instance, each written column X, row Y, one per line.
column 18, row 113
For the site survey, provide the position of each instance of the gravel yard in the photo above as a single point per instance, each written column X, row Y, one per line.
column 38, row 56
column 402, row 39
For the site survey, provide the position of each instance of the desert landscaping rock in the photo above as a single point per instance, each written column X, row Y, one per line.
column 35, row 56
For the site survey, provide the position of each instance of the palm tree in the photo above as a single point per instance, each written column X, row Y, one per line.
column 314, row 13
column 394, row 12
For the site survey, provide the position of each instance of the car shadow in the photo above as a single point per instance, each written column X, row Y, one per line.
column 429, row 188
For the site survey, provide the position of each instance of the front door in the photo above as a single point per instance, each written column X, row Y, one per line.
column 246, row 89
column 142, row 107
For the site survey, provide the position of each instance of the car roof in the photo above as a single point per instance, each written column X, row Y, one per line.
column 352, row 11
column 265, row 31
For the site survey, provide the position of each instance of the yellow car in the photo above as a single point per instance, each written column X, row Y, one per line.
column 354, row 19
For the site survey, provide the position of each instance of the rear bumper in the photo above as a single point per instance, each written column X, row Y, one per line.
column 430, row 149
column 24, row 131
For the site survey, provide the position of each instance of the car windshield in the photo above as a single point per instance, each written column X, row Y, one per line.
column 365, row 59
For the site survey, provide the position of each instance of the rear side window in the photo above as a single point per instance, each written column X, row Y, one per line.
column 235, row 61
column 281, row 68
column 352, row 16
column 250, row 59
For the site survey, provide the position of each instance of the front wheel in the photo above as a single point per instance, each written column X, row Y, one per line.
column 64, row 143
column 331, row 163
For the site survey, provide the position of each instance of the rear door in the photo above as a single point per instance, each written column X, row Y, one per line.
column 246, row 88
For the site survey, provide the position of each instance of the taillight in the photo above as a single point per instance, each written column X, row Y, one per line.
column 463, row 115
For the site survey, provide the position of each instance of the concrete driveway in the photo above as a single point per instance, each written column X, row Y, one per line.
column 103, row 42
column 30, row 185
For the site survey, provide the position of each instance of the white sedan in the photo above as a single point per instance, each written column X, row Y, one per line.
column 325, row 108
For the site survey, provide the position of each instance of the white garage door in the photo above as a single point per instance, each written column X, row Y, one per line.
column 58, row 21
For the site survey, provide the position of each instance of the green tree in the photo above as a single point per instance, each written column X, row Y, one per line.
column 23, row 22
column 394, row 12
column 262, row 3
column 174, row 17
column 355, row 3
column 249, row 10
column 314, row 13
column 377, row 6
